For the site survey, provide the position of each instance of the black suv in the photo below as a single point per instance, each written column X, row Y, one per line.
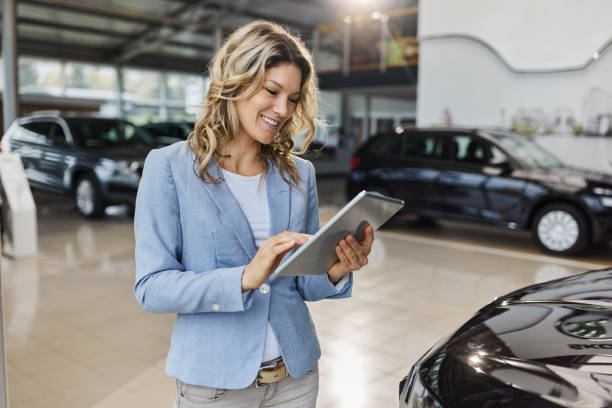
column 491, row 177
column 98, row 160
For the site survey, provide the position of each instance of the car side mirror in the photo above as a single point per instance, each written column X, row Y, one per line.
column 497, row 168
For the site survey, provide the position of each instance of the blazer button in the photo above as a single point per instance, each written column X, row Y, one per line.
column 264, row 289
column 216, row 307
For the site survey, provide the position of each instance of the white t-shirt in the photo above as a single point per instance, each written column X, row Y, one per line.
column 251, row 195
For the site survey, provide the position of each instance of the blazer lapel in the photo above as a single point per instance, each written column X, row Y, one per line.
column 231, row 213
column 279, row 201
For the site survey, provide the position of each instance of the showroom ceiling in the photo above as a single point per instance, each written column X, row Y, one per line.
column 162, row 34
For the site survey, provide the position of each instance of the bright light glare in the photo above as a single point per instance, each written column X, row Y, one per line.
column 376, row 15
column 347, row 20
column 595, row 55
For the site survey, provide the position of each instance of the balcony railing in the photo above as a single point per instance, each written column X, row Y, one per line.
column 367, row 42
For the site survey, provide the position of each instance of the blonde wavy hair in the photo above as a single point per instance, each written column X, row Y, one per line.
column 236, row 73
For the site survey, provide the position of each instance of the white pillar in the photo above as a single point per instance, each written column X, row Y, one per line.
column 10, row 101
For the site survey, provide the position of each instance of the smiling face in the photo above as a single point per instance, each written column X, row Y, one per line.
column 263, row 114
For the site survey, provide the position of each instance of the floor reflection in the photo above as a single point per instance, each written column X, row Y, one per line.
column 77, row 338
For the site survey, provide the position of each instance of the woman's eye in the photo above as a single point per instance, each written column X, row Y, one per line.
column 294, row 101
column 271, row 91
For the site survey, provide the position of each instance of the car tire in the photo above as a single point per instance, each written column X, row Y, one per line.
column 87, row 197
column 561, row 229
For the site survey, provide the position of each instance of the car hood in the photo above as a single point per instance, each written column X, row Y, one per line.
column 548, row 343
column 570, row 179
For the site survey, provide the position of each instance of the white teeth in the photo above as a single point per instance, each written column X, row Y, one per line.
column 269, row 121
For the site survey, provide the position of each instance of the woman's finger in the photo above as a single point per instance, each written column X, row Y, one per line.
column 369, row 237
column 357, row 250
column 283, row 247
column 350, row 255
column 342, row 257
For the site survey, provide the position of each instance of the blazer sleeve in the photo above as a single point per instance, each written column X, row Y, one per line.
column 162, row 284
column 319, row 287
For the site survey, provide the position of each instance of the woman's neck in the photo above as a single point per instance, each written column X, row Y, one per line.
column 242, row 157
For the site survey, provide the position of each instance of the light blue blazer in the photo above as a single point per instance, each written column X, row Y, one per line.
column 192, row 244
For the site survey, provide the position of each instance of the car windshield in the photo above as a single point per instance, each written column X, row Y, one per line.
column 96, row 133
column 527, row 151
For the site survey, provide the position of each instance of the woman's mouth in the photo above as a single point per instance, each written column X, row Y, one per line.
column 271, row 123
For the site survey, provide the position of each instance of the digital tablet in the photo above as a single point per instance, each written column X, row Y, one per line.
column 318, row 254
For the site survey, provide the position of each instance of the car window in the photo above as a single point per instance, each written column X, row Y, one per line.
column 35, row 132
column 159, row 130
column 473, row 150
column 56, row 135
column 498, row 156
column 389, row 145
column 94, row 133
column 426, row 146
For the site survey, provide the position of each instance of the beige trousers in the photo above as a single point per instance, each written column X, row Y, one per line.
column 288, row 393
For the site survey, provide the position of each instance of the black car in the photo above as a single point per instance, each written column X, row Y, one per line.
column 98, row 160
column 491, row 177
column 166, row 133
column 547, row 345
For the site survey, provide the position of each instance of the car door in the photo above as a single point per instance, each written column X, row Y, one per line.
column 462, row 184
column 480, row 185
column 30, row 142
column 419, row 167
column 56, row 156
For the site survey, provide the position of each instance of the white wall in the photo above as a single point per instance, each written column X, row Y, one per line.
column 528, row 33
column 472, row 83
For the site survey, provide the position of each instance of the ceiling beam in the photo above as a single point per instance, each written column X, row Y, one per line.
column 111, row 10
column 104, row 33
column 83, row 53
column 154, row 37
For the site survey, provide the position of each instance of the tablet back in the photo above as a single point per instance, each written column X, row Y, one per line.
column 317, row 255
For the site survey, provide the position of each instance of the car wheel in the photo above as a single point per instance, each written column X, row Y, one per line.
column 561, row 229
column 87, row 197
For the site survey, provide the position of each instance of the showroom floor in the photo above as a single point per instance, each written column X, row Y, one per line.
column 76, row 337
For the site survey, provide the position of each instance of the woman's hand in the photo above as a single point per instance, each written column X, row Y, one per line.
column 268, row 256
column 352, row 255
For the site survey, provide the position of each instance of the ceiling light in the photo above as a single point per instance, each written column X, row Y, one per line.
column 595, row 55
column 375, row 15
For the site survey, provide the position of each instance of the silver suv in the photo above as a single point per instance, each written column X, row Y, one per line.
column 97, row 160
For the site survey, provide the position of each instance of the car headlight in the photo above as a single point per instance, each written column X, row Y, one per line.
column 118, row 168
column 605, row 195
column 416, row 395
column 602, row 191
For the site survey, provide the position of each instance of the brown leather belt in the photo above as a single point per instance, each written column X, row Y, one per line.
column 271, row 372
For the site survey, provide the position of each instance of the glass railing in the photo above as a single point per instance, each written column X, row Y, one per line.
column 377, row 40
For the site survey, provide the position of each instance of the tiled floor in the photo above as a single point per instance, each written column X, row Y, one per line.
column 75, row 336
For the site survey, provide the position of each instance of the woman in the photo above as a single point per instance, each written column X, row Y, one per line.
column 215, row 216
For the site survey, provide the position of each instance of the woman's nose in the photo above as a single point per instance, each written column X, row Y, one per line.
column 281, row 107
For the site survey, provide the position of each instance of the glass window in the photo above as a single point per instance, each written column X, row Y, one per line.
column 527, row 152
column 141, row 86
column 36, row 132
column 93, row 133
column 39, row 75
column 42, row 128
column 386, row 146
column 56, row 135
column 474, row 150
column 428, row 146
column 88, row 76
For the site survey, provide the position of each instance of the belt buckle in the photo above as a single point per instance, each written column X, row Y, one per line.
column 268, row 366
